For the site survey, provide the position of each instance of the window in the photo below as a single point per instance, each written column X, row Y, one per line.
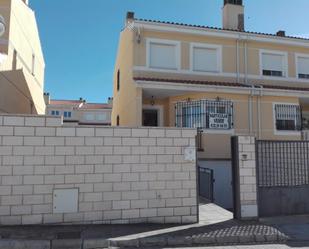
column 67, row 114
column 287, row 117
column 101, row 117
column 118, row 121
column 273, row 64
column 191, row 116
column 163, row 54
column 207, row 114
column 89, row 116
column 118, row 80
column 55, row 113
column 302, row 64
column 205, row 58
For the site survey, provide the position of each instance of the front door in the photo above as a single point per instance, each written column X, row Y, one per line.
column 150, row 118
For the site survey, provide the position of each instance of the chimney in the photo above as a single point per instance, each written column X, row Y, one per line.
column 281, row 33
column 110, row 101
column 129, row 17
column 233, row 15
column 47, row 98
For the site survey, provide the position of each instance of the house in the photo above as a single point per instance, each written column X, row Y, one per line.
column 226, row 81
column 21, row 60
column 80, row 112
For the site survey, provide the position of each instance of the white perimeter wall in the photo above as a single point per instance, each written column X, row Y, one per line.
column 122, row 175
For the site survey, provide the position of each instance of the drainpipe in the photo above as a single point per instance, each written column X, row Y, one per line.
column 259, row 112
column 246, row 60
column 250, row 98
column 237, row 59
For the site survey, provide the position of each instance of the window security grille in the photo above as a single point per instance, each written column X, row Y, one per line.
column 206, row 114
column 288, row 117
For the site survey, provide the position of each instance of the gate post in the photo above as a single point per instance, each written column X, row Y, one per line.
column 244, row 177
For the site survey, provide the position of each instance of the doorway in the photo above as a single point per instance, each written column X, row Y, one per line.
column 150, row 118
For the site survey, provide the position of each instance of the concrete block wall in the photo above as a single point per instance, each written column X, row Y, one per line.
column 123, row 175
column 247, row 177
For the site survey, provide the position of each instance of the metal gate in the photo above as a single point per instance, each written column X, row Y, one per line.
column 206, row 183
column 282, row 177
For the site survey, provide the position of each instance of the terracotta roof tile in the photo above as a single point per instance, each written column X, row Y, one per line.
column 216, row 28
column 65, row 102
column 214, row 83
column 95, row 106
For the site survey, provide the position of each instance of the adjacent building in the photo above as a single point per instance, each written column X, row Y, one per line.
column 79, row 112
column 21, row 60
column 226, row 81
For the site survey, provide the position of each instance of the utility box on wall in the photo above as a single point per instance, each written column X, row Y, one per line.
column 65, row 201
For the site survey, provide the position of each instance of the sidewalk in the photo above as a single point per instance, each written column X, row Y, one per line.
column 215, row 228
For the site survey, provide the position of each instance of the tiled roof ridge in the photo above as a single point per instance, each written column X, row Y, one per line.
column 216, row 28
column 216, row 83
column 67, row 100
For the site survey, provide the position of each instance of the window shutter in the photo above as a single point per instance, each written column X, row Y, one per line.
column 163, row 56
column 205, row 59
column 303, row 65
column 272, row 62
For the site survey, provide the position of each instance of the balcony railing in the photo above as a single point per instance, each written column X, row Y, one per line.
column 205, row 114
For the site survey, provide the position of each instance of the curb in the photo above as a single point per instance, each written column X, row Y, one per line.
column 141, row 242
column 197, row 241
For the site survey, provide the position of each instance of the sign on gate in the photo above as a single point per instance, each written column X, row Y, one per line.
column 218, row 121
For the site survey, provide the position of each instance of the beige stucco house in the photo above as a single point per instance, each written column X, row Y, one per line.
column 21, row 60
column 226, row 81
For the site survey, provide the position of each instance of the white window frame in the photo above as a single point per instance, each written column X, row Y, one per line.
column 177, row 44
column 297, row 56
column 283, row 133
column 206, row 46
column 285, row 63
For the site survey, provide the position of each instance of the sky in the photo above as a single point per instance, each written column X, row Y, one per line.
column 80, row 37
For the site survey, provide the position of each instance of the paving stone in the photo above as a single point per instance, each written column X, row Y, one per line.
column 179, row 241
column 227, row 239
column 24, row 244
column 260, row 238
column 66, row 244
column 153, row 241
column 203, row 240
column 123, row 243
column 95, row 243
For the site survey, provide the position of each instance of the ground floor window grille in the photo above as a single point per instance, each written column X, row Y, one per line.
column 206, row 114
column 288, row 117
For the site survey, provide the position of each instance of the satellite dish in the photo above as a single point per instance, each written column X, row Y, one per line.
column 2, row 26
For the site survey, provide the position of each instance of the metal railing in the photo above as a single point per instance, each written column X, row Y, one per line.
column 206, row 114
column 206, row 183
column 288, row 117
column 282, row 163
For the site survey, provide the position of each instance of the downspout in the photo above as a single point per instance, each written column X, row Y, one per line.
column 259, row 113
column 237, row 59
column 250, row 97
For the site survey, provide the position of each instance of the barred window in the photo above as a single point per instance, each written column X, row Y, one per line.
column 288, row 117
column 206, row 114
